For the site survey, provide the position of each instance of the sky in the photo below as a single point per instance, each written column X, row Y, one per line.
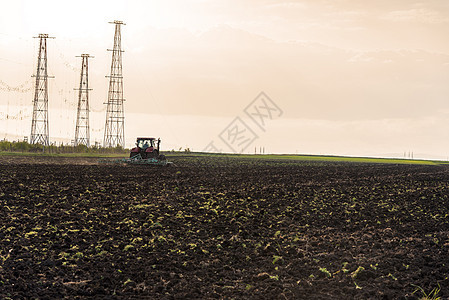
column 340, row 77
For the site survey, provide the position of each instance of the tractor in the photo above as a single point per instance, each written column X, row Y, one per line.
column 147, row 148
column 146, row 152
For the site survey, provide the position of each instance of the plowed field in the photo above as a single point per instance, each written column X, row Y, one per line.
column 222, row 228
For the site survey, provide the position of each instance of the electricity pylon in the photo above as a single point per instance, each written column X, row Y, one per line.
column 82, row 132
column 114, row 133
column 39, row 123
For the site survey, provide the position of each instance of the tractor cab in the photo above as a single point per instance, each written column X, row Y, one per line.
column 145, row 143
column 146, row 147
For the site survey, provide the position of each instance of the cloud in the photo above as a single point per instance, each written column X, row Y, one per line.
column 287, row 4
column 416, row 15
column 360, row 57
column 213, row 73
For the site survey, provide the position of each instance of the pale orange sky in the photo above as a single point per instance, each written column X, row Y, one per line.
column 351, row 77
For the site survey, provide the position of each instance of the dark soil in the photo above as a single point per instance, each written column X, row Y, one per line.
column 222, row 228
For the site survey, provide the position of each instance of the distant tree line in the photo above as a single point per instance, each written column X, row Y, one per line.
column 7, row 146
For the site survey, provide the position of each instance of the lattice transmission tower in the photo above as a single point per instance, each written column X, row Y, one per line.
column 82, row 132
column 39, row 123
column 114, row 133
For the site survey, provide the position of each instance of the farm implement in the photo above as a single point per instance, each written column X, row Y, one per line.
column 137, row 160
column 146, row 152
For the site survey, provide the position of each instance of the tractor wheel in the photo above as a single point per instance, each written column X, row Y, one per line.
column 132, row 154
column 162, row 157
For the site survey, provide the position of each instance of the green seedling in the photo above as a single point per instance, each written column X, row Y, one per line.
column 326, row 272
column 356, row 272
column 128, row 248
column 276, row 258
column 433, row 295
column 128, row 281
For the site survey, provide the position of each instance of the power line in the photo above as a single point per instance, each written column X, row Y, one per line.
column 23, row 88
